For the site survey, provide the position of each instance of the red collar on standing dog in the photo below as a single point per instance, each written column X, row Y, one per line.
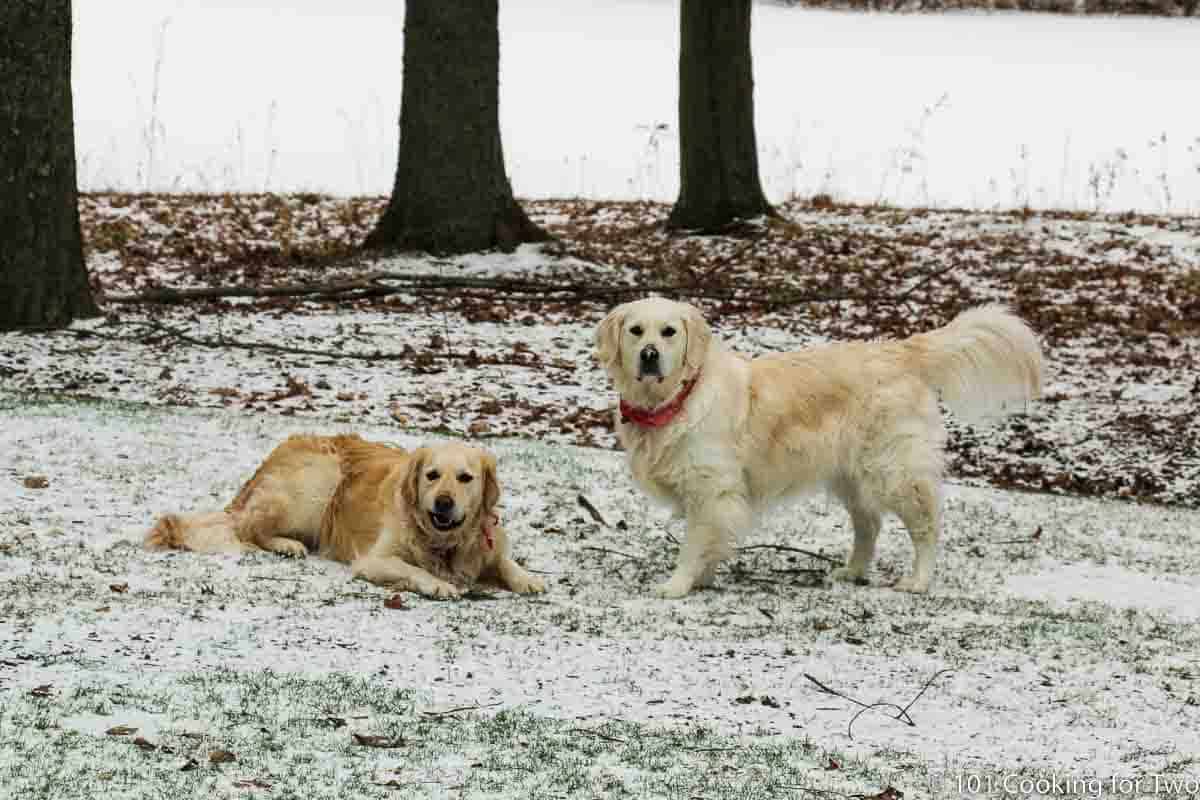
column 658, row 417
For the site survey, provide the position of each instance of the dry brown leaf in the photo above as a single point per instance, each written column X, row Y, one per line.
column 36, row 482
column 144, row 744
column 121, row 730
column 221, row 757
column 890, row 793
column 119, row 588
column 45, row 690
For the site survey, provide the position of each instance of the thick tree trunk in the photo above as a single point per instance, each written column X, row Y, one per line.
column 452, row 194
column 43, row 282
column 719, row 181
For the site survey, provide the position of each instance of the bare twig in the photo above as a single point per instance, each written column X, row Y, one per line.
column 786, row 549
column 458, row 710
column 1033, row 538
column 607, row 551
column 902, row 714
column 599, row 735
column 591, row 509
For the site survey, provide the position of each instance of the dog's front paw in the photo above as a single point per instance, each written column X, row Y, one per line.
column 910, row 584
column 528, row 584
column 288, row 547
column 847, row 575
column 440, row 590
column 679, row 586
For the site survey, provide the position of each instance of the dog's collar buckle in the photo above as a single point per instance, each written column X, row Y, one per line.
column 658, row 417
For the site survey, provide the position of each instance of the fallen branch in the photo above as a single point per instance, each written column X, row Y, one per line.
column 902, row 714
column 223, row 343
column 383, row 283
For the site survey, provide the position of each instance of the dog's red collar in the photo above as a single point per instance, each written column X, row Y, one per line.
column 658, row 417
column 490, row 522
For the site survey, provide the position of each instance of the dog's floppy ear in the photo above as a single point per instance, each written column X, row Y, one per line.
column 410, row 487
column 699, row 335
column 608, row 338
column 491, row 484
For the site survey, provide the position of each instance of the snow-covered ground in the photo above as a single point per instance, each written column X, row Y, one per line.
column 976, row 110
column 1072, row 653
column 1061, row 640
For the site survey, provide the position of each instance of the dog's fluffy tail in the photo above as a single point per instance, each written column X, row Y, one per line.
column 985, row 363
column 202, row 533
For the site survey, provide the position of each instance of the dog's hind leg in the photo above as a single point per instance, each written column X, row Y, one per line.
column 713, row 527
column 262, row 519
column 866, row 531
column 919, row 509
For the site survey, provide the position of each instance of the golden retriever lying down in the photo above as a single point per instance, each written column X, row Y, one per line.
column 422, row 521
column 720, row 437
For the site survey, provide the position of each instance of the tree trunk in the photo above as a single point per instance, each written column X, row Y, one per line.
column 719, row 181
column 452, row 194
column 43, row 282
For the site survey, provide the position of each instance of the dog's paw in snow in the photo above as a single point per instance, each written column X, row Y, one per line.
column 911, row 585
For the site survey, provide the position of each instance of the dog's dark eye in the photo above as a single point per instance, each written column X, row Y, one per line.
column 636, row 330
column 668, row 332
column 432, row 475
column 466, row 477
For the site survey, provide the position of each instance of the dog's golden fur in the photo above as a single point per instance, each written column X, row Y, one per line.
column 859, row 419
column 370, row 505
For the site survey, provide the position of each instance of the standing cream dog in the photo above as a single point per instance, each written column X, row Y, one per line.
column 718, row 436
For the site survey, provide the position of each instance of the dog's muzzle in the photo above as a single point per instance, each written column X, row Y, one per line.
column 442, row 517
column 648, row 363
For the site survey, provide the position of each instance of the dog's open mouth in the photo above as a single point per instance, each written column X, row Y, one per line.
column 444, row 522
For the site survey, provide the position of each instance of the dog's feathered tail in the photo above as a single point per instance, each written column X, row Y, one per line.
column 985, row 363
column 202, row 533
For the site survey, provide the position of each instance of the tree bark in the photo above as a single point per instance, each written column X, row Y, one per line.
column 452, row 194
column 43, row 281
column 719, row 181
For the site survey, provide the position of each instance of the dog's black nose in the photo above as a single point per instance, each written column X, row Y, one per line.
column 649, row 356
column 443, row 504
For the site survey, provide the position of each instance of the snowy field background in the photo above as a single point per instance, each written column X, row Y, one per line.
column 1070, row 653
column 1062, row 639
column 978, row 110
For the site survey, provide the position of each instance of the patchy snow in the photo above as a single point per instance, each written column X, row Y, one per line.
column 1101, row 685
column 977, row 110
column 1116, row 309
column 1064, row 585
